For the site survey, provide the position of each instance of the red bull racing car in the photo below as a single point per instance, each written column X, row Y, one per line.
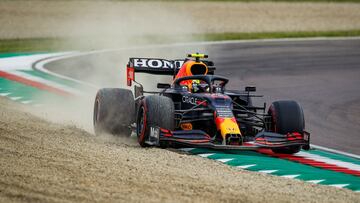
column 197, row 110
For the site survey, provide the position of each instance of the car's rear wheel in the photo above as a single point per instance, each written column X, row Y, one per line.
column 286, row 117
column 114, row 111
column 155, row 111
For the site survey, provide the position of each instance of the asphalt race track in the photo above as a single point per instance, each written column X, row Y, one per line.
column 322, row 75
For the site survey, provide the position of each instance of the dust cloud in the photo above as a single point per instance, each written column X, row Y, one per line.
column 130, row 30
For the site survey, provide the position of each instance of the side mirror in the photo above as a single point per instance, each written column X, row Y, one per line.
column 250, row 89
column 163, row 86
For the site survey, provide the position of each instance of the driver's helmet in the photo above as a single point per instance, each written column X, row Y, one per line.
column 199, row 87
column 190, row 68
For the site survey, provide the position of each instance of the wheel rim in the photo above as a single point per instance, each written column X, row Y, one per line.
column 140, row 125
column 96, row 111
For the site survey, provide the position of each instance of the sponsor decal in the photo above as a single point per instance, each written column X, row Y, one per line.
column 230, row 129
column 224, row 113
column 186, row 126
column 156, row 63
column 190, row 100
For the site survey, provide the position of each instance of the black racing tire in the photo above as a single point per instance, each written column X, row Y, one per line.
column 286, row 117
column 154, row 110
column 114, row 111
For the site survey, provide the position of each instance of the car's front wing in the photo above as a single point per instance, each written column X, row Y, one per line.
column 199, row 139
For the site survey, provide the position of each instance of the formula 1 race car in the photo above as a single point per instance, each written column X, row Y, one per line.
column 196, row 110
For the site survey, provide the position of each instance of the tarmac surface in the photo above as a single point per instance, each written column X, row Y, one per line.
column 322, row 75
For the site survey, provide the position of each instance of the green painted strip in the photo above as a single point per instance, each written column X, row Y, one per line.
column 17, row 89
column 26, row 92
column 8, row 55
column 283, row 167
column 335, row 156
column 49, row 77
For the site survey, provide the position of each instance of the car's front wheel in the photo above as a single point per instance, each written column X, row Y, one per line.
column 155, row 111
column 286, row 117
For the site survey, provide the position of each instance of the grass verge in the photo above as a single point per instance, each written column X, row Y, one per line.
column 277, row 35
column 65, row 44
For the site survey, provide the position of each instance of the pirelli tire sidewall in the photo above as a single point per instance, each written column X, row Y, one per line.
column 286, row 117
column 156, row 111
column 114, row 111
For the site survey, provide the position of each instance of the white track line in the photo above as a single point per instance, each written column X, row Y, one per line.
column 15, row 98
column 335, row 151
column 291, row 176
column 224, row 160
column 4, row 94
column 24, row 62
column 27, row 102
column 268, row 171
column 315, row 181
column 246, row 166
column 206, row 155
column 39, row 65
column 339, row 185
column 329, row 161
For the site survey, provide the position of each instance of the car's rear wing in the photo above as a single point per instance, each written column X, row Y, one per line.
column 158, row 67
